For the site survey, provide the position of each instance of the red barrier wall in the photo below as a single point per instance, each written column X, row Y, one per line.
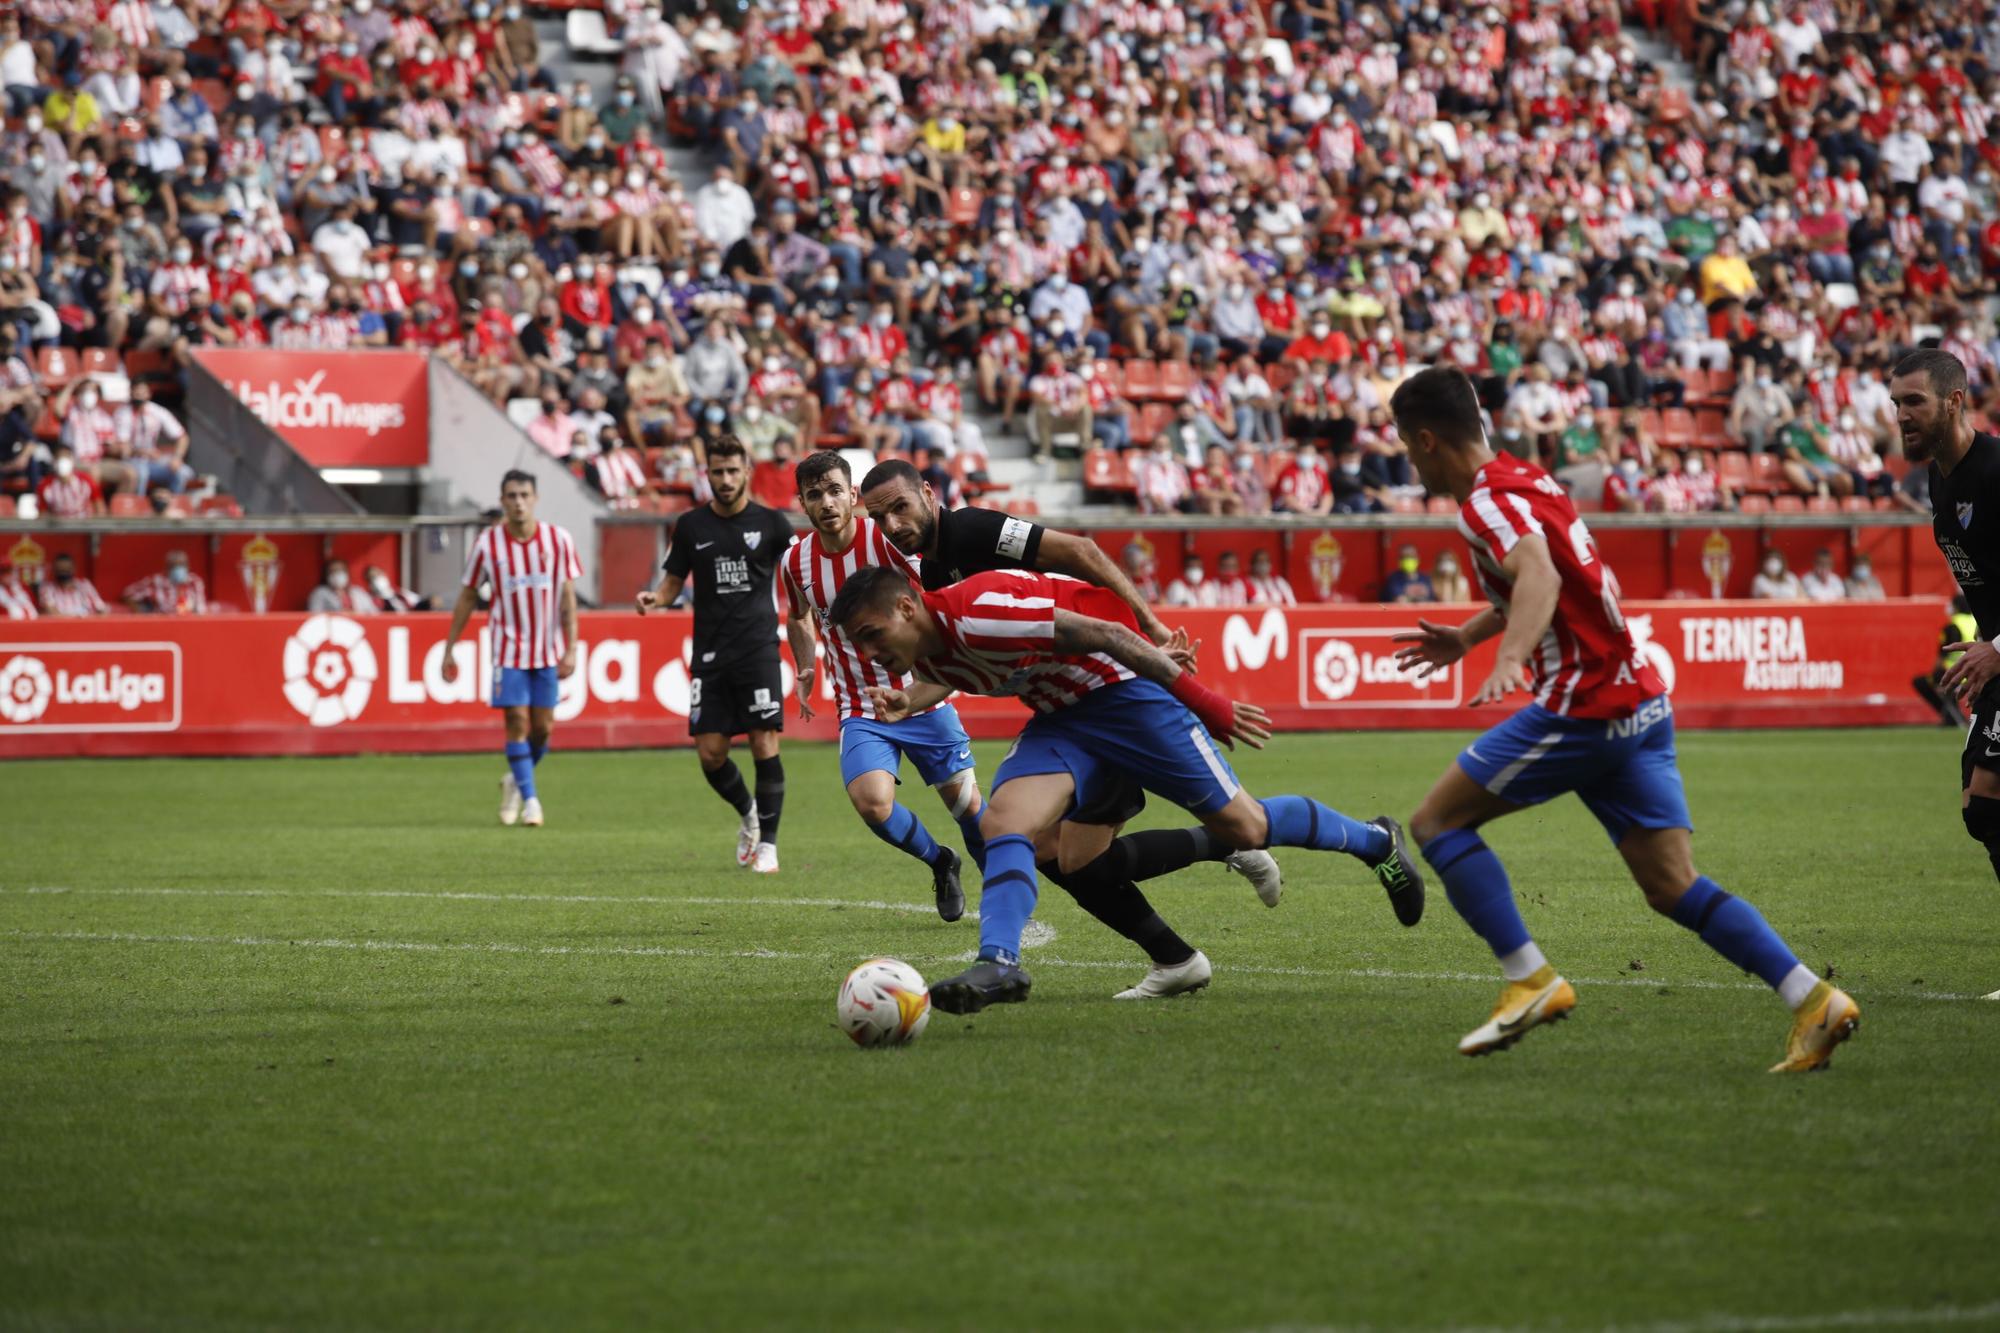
column 288, row 684
column 248, row 571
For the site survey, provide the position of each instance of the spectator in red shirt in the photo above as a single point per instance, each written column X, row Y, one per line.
column 1321, row 342
column 771, row 482
column 1926, row 275
column 68, row 493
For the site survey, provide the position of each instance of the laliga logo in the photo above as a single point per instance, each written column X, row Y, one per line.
column 329, row 670
column 25, row 689
column 1336, row 669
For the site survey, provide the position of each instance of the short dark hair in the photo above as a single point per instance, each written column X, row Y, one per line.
column 895, row 469
column 727, row 446
column 515, row 474
column 1439, row 399
column 1945, row 372
column 816, row 466
column 874, row 588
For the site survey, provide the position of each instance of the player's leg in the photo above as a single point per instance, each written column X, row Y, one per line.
column 541, row 725
column 938, row 747
column 1499, row 773
column 1979, row 776
column 1092, row 864
column 770, row 806
column 519, row 786
column 711, row 731
column 1644, row 809
column 1151, row 853
column 870, row 755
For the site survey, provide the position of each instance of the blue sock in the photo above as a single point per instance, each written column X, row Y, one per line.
column 905, row 832
column 537, row 747
column 1300, row 821
column 1478, row 887
column 523, row 768
column 1736, row 930
column 975, row 841
column 1006, row 898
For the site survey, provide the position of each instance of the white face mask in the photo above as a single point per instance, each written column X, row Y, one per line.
column 1774, row 568
column 337, row 580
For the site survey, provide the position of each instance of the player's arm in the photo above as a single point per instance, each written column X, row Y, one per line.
column 895, row 705
column 461, row 611
column 662, row 594
column 1229, row 722
column 1082, row 558
column 1432, row 647
column 805, row 644
column 1532, row 606
column 567, row 610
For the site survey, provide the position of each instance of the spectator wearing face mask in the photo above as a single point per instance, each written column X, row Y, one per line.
column 715, row 371
column 66, row 593
column 1862, row 585
column 553, row 428
column 388, row 596
column 1267, row 587
column 1822, row 583
column 336, row 593
column 1191, row 586
column 175, row 591
column 1774, row 582
column 1407, row 582
column 68, row 492
column 1759, row 409
column 1581, row 462
column 16, row 602
column 1162, row 480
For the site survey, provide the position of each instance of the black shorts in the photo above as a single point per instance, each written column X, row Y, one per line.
column 1112, row 807
column 1982, row 739
column 747, row 696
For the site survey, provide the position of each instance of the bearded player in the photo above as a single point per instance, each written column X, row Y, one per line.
column 872, row 749
column 1599, row 725
column 1107, row 704
column 531, row 568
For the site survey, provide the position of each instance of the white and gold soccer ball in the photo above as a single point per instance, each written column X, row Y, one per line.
column 883, row 1002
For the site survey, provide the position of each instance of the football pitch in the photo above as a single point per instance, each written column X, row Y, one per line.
column 316, row 1044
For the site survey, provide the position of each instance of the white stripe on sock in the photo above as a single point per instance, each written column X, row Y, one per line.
column 1523, row 963
column 1798, row 984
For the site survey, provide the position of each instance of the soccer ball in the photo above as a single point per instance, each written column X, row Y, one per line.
column 883, row 1003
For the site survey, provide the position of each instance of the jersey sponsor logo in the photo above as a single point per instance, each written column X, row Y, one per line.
column 98, row 687
column 1650, row 713
column 1772, row 649
column 1245, row 649
column 1357, row 668
column 1013, row 541
column 1962, row 568
column 1964, row 509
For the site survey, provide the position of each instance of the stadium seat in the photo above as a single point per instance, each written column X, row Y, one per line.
column 587, row 35
column 125, row 505
column 1858, row 504
column 1441, row 504
column 1112, row 374
column 961, row 206
column 1272, row 464
column 48, row 426
column 1406, row 504
column 1732, row 469
column 1754, row 504
column 1711, row 429
column 1766, row 472
column 332, row 142
column 1886, row 505
column 1279, row 375
column 58, row 366
column 1106, row 470
column 1152, row 419
column 6, row 506
column 1649, row 422
column 521, row 411
column 1021, row 508
column 1822, row 504
column 1677, row 428
column 1788, row 504
column 221, row 506
column 1142, row 380
column 101, row 361
column 1176, row 380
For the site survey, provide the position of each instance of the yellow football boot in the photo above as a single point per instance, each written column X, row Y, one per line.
column 1827, row 1018
column 1542, row 998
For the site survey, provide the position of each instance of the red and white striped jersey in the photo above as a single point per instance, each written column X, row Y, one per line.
column 817, row 575
column 16, row 602
column 526, row 579
column 1000, row 631
column 162, row 596
column 1586, row 664
column 78, row 597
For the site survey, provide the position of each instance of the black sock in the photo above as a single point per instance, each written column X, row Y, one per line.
column 770, row 797
column 728, row 783
column 1124, row 909
column 1155, row 852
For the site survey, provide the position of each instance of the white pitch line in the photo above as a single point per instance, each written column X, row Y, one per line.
column 1718, row 1323
column 465, row 895
column 1029, row 941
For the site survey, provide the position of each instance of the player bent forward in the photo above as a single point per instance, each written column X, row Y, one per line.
column 1600, row 725
column 1107, row 703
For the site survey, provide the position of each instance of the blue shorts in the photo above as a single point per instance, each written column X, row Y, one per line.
column 525, row 687
column 935, row 742
column 1131, row 731
column 1622, row 768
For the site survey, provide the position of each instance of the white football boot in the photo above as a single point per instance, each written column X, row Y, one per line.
column 746, row 838
column 1261, row 869
column 510, row 800
column 531, row 812
column 1180, row 979
column 767, row 859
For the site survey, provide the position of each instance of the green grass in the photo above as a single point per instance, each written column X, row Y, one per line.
column 248, row 1105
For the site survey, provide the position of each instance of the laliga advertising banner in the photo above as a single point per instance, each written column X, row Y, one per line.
column 335, row 684
column 338, row 409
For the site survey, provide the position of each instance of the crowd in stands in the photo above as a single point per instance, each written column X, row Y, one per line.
column 1205, row 236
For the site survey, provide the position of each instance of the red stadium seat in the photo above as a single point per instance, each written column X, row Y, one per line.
column 961, row 206
column 221, row 506
column 1176, row 380
column 1677, row 428
column 124, row 505
column 1023, row 508
column 1441, row 504
column 1106, row 470
column 1732, row 469
column 101, row 361
column 1711, row 429
column 1788, row 504
column 1152, row 419
column 58, row 366
column 1279, row 375
column 48, row 426
column 1822, row 504
column 1142, row 380
column 1858, row 504
column 1112, row 374
column 1767, row 473
column 6, row 506
column 1754, row 504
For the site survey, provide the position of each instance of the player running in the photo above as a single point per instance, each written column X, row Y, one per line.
column 1080, row 855
column 736, row 684
column 531, row 569
column 1107, row 703
column 1929, row 391
column 818, row 565
column 1600, row 725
